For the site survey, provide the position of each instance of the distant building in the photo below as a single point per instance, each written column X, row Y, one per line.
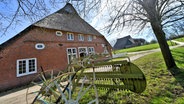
column 50, row 43
column 127, row 42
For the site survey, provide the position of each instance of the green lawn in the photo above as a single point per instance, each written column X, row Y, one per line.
column 180, row 39
column 162, row 87
column 141, row 48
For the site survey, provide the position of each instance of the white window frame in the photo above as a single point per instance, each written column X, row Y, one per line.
column 90, row 38
column 27, row 67
column 41, row 44
column 105, row 50
column 59, row 33
column 86, row 51
column 72, row 53
column 70, row 36
column 91, row 48
column 80, row 37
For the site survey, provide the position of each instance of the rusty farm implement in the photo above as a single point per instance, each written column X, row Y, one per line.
column 85, row 77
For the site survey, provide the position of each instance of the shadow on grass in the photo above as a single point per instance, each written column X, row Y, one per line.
column 178, row 74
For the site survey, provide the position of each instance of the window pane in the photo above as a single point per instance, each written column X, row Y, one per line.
column 74, row 50
column 89, row 38
column 22, row 67
column 70, row 36
column 69, row 51
column 31, row 65
column 81, row 37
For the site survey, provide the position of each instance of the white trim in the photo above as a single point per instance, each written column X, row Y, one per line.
column 80, row 37
column 40, row 44
column 59, row 33
column 105, row 50
column 82, row 52
column 27, row 67
column 90, row 37
column 70, row 36
column 71, row 53
column 92, row 49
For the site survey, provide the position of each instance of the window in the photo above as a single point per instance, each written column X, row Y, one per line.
column 59, row 33
column 91, row 50
column 39, row 46
column 82, row 51
column 105, row 50
column 70, row 36
column 71, row 54
column 26, row 66
column 81, row 37
column 89, row 38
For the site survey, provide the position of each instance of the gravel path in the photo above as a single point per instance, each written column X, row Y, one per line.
column 136, row 55
column 19, row 97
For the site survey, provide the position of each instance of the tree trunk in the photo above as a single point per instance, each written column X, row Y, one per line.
column 160, row 35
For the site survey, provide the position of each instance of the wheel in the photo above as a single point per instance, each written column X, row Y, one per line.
column 84, row 91
column 39, row 87
column 61, row 90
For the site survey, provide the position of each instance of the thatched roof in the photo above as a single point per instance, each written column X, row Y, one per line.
column 67, row 19
column 123, row 42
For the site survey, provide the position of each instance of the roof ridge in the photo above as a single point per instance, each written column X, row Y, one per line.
column 68, row 8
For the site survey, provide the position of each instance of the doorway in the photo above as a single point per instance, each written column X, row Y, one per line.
column 82, row 52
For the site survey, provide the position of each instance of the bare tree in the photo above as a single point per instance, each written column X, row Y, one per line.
column 159, row 14
column 12, row 12
column 138, row 14
column 15, row 12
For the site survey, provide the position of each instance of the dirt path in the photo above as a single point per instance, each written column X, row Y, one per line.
column 136, row 55
column 16, row 97
column 19, row 96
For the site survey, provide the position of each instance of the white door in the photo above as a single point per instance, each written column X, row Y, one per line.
column 82, row 51
column 71, row 54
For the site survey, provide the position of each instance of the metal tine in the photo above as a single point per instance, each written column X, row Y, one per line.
column 51, row 76
column 43, row 76
column 41, row 79
column 35, row 92
column 138, row 84
column 36, row 83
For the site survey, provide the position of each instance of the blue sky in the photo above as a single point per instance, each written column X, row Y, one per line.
column 97, row 22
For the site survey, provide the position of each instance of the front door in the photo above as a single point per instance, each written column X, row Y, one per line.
column 82, row 51
column 71, row 54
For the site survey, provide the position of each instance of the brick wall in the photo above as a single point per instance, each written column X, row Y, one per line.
column 52, row 57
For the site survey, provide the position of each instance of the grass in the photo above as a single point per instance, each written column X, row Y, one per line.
column 180, row 39
column 141, row 48
column 162, row 86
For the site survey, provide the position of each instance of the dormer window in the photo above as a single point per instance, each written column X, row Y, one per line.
column 39, row 46
column 59, row 33
column 81, row 37
column 70, row 36
column 89, row 38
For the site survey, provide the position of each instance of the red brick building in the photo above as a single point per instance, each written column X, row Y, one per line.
column 49, row 43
